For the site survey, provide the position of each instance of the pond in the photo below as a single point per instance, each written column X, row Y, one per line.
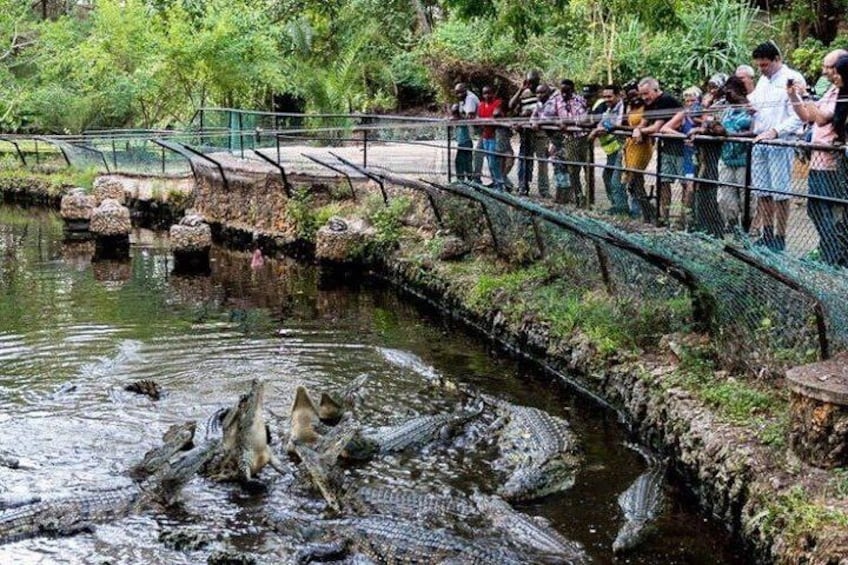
column 74, row 332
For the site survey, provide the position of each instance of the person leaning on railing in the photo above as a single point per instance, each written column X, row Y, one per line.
column 824, row 178
column 637, row 155
column 612, row 114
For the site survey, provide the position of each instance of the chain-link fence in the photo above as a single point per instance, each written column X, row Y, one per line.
column 754, row 234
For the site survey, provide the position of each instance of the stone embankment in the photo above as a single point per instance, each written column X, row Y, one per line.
column 783, row 510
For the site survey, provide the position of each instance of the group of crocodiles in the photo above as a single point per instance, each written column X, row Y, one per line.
column 538, row 455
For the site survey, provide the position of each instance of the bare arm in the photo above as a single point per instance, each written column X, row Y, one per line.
column 673, row 125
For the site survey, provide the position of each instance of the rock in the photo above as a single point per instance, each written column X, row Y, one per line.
column 184, row 540
column 341, row 240
column 453, row 247
column 77, row 205
column 109, row 188
column 196, row 237
column 110, row 218
column 230, row 558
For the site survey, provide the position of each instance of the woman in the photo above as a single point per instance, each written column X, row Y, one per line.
column 637, row 155
column 684, row 122
column 824, row 179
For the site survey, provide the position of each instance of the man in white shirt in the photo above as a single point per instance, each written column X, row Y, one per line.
column 468, row 105
column 771, row 165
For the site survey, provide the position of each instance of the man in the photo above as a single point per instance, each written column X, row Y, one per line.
column 576, row 147
column 659, row 108
column 487, row 110
column 771, row 165
column 468, row 105
column 534, row 145
column 824, row 177
column 612, row 113
column 548, row 111
column 746, row 73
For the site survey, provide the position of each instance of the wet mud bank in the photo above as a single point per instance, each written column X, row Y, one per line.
column 733, row 476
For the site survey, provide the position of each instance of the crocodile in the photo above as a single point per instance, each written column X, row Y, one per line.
column 538, row 451
column 244, row 448
column 66, row 514
column 641, row 504
column 421, row 430
column 331, row 407
column 427, row 507
column 145, row 387
column 321, row 466
column 533, row 534
column 391, row 540
column 304, row 421
column 179, row 437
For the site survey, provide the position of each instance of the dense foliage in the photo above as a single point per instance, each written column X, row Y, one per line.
column 150, row 63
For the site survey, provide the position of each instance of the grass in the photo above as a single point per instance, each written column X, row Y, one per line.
column 796, row 514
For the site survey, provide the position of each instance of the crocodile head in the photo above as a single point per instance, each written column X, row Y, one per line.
column 304, row 418
column 531, row 482
column 629, row 536
column 329, row 411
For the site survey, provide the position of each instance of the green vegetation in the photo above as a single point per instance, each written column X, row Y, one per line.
column 795, row 514
column 151, row 63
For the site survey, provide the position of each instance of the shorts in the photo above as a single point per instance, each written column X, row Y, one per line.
column 771, row 169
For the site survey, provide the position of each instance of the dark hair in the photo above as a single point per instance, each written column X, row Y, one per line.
column 567, row 82
column 614, row 87
column 767, row 50
column 735, row 83
column 840, row 113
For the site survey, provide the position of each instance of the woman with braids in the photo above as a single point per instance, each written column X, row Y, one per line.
column 827, row 116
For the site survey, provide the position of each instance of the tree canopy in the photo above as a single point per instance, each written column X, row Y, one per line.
column 66, row 66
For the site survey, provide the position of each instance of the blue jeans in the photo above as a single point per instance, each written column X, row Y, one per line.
column 612, row 182
column 490, row 146
column 821, row 212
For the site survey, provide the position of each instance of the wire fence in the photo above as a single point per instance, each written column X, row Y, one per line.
column 753, row 235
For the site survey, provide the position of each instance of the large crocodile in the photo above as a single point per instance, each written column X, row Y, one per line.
column 539, row 453
column 641, row 504
column 331, row 407
column 244, row 448
column 533, row 534
column 70, row 513
column 421, row 430
column 393, row 541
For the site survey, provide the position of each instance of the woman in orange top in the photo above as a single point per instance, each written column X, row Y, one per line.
column 637, row 155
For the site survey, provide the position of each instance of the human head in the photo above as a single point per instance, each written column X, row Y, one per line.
column 735, row 90
column 767, row 58
column 461, row 90
column 611, row 93
column 633, row 98
column 829, row 63
column 649, row 89
column 716, row 83
column 454, row 110
column 543, row 92
column 746, row 73
column 692, row 95
column 566, row 87
column 488, row 93
column 533, row 79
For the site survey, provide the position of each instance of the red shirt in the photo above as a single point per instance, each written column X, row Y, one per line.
column 487, row 110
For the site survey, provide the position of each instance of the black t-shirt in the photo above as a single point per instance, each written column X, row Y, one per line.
column 663, row 108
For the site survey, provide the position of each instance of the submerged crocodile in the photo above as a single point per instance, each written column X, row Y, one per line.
column 531, row 533
column 70, row 513
column 538, row 451
column 391, row 540
column 244, row 448
column 641, row 504
column 145, row 387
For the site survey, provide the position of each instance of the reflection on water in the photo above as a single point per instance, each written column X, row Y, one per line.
column 75, row 332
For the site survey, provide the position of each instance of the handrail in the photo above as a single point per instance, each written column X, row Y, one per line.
column 333, row 168
column 17, row 149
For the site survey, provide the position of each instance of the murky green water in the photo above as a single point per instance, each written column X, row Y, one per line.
column 74, row 332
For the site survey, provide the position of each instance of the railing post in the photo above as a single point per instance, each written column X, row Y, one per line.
column 163, row 160
column 37, row 156
column 746, row 203
column 658, row 183
column 450, row 134
column 365, row 147
column 114, row 154
column 590, row 176
column 241, row 133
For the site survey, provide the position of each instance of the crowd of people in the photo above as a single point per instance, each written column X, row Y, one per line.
column 700, row 146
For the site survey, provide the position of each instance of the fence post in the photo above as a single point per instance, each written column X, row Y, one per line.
column 163, row 160
column 37, row 156
column 365, row 147
column 590, row 175
column 746, row 203
column 241, row 133
column 657, row 196
column 450, row 171
column 114, row 154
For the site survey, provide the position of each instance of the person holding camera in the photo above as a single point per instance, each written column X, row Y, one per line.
column 824, row 177
column 771, row 165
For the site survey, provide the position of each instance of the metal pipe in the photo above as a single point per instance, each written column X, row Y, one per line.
column 370, row 175
column 286, row 185
column 17, row 149
column 171, row 146
column 194, row 151
column 336, row 169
